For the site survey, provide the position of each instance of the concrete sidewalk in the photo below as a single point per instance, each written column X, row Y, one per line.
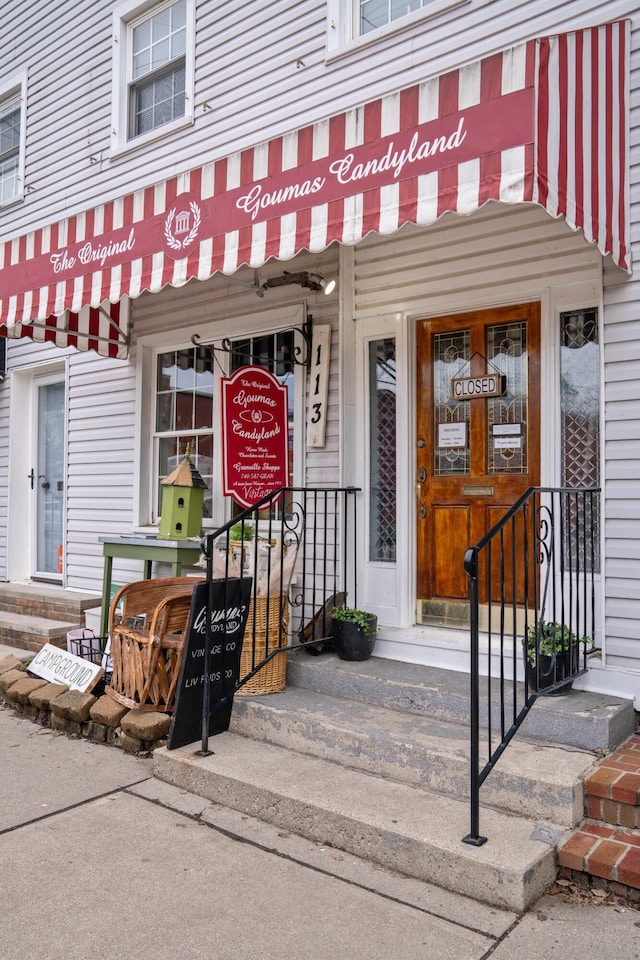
column 102, row 860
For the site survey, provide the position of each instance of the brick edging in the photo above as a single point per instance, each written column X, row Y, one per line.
column 96, row 718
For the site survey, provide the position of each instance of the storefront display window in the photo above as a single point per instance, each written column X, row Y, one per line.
column 184, row 414
column 186, row 382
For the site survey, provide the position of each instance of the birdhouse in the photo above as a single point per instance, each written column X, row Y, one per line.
column 182, row 503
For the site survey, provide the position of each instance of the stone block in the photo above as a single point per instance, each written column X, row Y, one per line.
column 11, row 663
column 60, row 724
column 63, row 725
column 73, row 705
column 97, row 732
column 9, row 678
column 146, row 725
column 131, row 744
column 42, row 697
column 21, row 690
column 108, row 712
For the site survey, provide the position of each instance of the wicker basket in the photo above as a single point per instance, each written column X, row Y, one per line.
column 272, row 678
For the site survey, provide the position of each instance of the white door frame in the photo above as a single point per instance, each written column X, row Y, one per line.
column 385, row 587
column 22, row 498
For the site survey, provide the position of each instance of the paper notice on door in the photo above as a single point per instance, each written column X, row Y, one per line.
column 452, row 434
column 506, row 429
column 506, row 443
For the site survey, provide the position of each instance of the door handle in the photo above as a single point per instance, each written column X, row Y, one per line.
column 31, row 477
column 421, row 477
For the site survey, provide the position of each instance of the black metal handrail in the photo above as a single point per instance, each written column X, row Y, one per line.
column 297, row 544
column 532, row 581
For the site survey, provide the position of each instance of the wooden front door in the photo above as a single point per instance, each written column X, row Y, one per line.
column 475, row 455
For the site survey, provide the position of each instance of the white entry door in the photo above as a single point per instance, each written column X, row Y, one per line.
column 47, row 478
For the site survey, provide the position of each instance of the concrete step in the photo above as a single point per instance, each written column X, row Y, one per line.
column 532, row 779
column 414, row 831
column 46, row 600
column 589, row 721
column 28, row 632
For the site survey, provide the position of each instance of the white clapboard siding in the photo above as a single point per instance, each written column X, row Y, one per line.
column 498, row 254
column 101, row 457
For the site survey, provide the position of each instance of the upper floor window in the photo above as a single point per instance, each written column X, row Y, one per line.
column 12, row 141
column 158, row 48
column 376, row 13
column 352, row 22
column 153, row 71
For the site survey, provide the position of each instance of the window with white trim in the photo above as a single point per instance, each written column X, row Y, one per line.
column 153, row 71
column 352, row 22
column 186, row 382
column 184, row 416
column 12, row 138
column 376, row 13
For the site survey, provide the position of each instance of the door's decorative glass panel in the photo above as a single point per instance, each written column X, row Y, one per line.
column 580, row 406
column 382, row 446
column 507, row 422
column 451, row 455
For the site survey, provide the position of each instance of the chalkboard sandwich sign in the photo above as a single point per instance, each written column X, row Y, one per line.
column 229, row 608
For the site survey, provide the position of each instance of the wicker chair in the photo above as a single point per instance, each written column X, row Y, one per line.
column 148, row 642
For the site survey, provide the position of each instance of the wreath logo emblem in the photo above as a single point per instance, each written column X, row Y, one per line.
column 182, row 226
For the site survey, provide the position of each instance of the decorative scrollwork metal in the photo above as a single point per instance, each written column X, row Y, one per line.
column 300, row 356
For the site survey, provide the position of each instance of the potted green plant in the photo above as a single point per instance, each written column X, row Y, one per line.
column 241, row 531
column 353, row 632
column 552, row 655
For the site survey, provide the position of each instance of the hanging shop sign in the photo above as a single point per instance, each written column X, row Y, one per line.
column 255, row 435
column 473, row 388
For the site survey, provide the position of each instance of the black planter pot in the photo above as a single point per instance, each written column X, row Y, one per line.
column 553, row 671
column 351, row 641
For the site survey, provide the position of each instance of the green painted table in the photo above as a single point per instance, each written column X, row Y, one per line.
column 147, row 549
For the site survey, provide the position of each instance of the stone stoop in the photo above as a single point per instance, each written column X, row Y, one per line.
column 34, row 614
column 372, row 758
column 606, row 846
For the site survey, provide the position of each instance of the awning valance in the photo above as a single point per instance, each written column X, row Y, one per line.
column 544, row 122
column 104, row 329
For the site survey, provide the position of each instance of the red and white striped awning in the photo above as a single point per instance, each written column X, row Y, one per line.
column 544, row 122
column 103, row 329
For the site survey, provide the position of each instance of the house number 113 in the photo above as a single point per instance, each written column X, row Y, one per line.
column 318, row 385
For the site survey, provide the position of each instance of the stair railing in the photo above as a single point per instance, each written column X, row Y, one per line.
column 297, row 544
column 532, row 617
